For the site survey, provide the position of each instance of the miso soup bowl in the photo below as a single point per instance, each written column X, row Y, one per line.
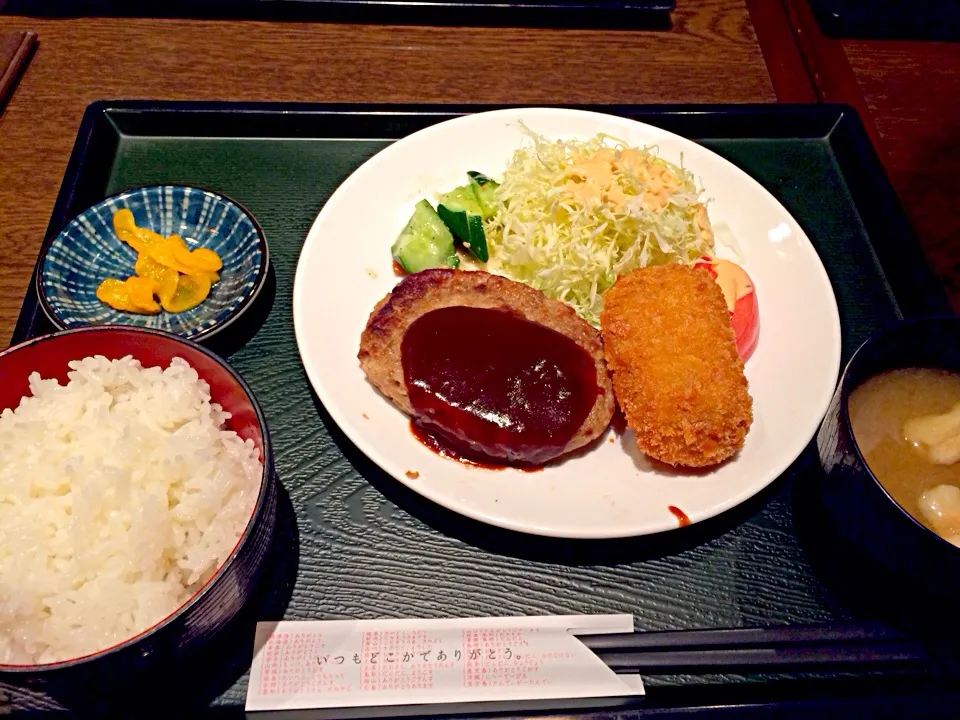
column 859, row 506
column 195, row 624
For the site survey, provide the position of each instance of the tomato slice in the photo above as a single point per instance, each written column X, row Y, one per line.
column 745, row 319
column 741, row 297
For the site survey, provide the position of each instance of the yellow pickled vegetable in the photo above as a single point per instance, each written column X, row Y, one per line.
column 199, row 259
column 135, row 294
column 166, row 268
column 142, row 291
column 164, row 252
column 213, row 277
column 127, row 230
column 191, row 291
column 115, row 293
column 123, row 220
column 167, row 278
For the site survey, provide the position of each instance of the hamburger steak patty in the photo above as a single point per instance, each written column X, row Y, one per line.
column 381, row 356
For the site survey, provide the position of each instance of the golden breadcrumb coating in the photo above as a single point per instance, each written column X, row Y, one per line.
column 676, row 372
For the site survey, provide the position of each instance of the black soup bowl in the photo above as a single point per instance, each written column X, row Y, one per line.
column 860, row 508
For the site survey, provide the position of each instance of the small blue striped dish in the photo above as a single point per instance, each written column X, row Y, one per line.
column 87, row 251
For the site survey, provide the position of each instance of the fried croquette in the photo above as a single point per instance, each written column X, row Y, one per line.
column 676, row 372
column 419, row 293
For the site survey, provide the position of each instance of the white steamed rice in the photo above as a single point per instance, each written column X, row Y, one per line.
column 120, row 495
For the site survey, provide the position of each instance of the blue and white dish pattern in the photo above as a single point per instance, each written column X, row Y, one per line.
column 87, row 251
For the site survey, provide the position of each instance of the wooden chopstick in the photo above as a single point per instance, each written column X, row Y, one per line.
column 739, row 637
column 16, row 49
column 813, row 657
column 756, row 649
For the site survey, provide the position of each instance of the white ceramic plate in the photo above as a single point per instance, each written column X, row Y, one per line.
column 611, row 491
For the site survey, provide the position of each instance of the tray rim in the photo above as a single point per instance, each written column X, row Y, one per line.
column 829, row 116
column 638, row 14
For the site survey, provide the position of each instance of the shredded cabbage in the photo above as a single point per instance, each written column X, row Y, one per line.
column 572, row 216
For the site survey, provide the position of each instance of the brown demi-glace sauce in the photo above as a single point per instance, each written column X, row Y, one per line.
column 680, row 515
column 492, row 387
column 446, row 449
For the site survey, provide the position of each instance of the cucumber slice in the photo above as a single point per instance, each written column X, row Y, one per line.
column 484, row 188
column 425, row 242
column 461, row 212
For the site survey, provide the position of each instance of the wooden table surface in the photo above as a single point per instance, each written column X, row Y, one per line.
column 710, row 55
column 908, row 95
column 912, row 91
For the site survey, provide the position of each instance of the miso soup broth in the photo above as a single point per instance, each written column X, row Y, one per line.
column 883, row 411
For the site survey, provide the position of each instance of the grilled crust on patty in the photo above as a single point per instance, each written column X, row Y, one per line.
column 428, row 290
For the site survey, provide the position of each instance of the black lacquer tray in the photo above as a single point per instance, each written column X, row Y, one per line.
column 633, row 14
column 353, row 543
column 930, row 20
